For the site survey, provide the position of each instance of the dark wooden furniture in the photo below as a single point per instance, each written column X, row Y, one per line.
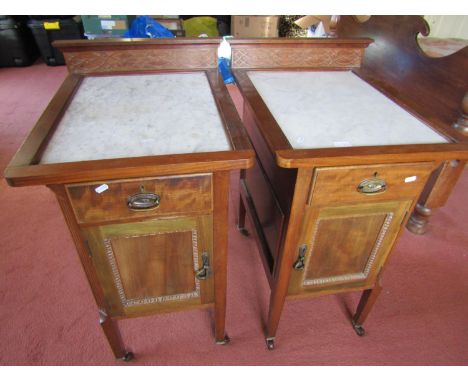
column 432, row 88
column 150, row 230
column 325, row 219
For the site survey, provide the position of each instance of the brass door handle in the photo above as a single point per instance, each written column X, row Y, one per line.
column 300, row 262
column 202, row 273
column 143, row 201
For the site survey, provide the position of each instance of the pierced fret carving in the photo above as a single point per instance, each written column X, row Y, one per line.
column 82, row 62
column 151, row 299
column 351, row 276
column 297, row 57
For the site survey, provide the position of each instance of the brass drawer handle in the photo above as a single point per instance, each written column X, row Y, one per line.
column 143, row 201
column 202, row 273
column 372, row 186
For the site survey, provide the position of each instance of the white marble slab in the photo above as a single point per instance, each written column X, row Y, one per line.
column 138, row 115
column 337, row 109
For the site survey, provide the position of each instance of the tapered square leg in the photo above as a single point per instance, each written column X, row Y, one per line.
column 242, row 210
column 241, row 218
column 365, row 305
column 111, row 331
column 220, row 244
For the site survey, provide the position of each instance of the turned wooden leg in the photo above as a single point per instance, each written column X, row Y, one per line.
column 435, row 195
column 365, row 305
column 220, row 242
column 110, row 329
column 418, row 222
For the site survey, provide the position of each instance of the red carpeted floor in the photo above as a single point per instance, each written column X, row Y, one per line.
column 48, row 316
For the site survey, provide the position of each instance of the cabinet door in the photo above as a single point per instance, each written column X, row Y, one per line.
column 151, row 266
column 345, row 247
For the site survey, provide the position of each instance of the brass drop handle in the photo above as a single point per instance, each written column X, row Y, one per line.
column 300, row 262
column 143, row 201
column 202, row 273
column 372, row 186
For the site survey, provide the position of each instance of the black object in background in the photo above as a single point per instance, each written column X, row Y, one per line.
column 17, row 45
column 45, row 31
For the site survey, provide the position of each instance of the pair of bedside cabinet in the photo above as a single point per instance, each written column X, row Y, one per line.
column 139, row 142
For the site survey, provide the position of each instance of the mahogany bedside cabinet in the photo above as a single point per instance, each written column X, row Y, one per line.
column 137, row 145
column 340, row 166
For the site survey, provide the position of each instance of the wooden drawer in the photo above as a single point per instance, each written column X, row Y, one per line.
column 332, row 185
column 178, row 195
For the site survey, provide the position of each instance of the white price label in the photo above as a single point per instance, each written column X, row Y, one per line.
column 101, row 188
column 410, row 179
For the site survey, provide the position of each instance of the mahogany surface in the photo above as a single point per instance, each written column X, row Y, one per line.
column 315, row 189
column 169, row 255
column 433, row 88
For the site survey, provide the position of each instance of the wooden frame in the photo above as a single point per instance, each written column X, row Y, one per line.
column 24, row 168
column 434, row 89
column 117, row 56
column 289, row 172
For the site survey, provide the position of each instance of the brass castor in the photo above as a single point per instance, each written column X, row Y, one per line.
column 243, row 231
column 224, row 341
column 270, row 342
column 128, row 356
column 358, row 329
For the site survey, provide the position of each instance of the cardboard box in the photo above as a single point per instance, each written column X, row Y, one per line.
column 106, row 26
column 329, row 23
column 254, row 26
column 176, row 26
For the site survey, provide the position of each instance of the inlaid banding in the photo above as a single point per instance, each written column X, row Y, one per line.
column 352, row 276
column 151, row 299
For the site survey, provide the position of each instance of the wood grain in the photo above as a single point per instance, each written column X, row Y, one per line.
column 282, row 271
column 139, row 263
column 138, row 55
column 149, row 266
column 434, row 89
column 349, row 236
column 108, row 169
column 431, row 88
column 297, row 53
column 24, row 169
column 347, row 245
column 220, row 246
column 332, row 184
column 178, row 195
column 108, row 326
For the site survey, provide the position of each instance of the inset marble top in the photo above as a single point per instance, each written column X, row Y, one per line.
column 337, row 109
column 138, row 115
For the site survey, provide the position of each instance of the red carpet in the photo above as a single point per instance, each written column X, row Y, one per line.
column 48, row 316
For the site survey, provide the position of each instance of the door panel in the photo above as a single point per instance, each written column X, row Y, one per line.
column 151, row 265
column 158, row 264
column 347, row 245
column 343, row 248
